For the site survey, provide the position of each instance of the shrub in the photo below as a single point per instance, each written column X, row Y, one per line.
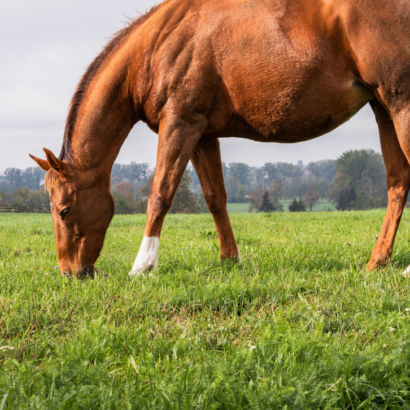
column 297, row 206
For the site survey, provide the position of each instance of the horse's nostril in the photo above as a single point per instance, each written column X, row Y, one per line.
column 88, row 271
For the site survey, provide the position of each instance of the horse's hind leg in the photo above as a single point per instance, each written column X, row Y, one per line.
column 207, row 162
column 398, row 182
column 177, row 141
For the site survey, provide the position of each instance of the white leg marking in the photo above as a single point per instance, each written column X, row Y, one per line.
column 238, row 258
column 147, row 257
column 406, row 272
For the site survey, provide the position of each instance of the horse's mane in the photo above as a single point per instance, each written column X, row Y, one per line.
column 117, row 39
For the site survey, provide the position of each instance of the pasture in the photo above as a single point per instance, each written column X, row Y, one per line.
column 300, row 324
column 243, row 207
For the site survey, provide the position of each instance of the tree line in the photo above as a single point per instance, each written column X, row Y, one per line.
column 354, row 181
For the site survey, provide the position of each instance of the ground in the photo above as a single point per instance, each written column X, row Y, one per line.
column 299, row 324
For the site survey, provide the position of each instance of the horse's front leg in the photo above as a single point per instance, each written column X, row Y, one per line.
column 177, row 141
column 398, row 182
column 208, row 165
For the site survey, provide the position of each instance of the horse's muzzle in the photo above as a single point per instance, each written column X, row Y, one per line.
column 84, row 272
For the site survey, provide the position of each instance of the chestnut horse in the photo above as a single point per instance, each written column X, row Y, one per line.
column 198, row 70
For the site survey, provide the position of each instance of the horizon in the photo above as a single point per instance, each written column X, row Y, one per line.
column 153, row 166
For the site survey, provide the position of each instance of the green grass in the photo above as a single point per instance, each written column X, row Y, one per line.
column 238, row 208
column 243, row 207
column 323, row 206
column 300, row 324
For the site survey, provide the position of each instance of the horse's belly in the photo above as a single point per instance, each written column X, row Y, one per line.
column 272, row 119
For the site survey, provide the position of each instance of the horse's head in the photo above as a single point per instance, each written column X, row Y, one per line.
column 82, row 208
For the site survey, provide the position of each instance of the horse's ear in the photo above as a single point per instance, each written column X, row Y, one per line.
column 43, row 164
column 54, row 162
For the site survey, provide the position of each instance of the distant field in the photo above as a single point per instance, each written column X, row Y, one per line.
column 300, row 324
column 242, row 208
column 238, row 208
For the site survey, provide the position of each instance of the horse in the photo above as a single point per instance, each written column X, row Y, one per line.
column 196, row 71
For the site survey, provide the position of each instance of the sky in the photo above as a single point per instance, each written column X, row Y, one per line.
column 45, row 47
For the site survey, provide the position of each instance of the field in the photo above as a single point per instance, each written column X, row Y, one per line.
column 300, row 324
column 243, row 207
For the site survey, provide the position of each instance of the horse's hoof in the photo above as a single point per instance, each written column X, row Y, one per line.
column 141, row 270
column 236, row 258
column 135, row 273
column 406, row 272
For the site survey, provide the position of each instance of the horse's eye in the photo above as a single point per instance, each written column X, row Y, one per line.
column 65, row 212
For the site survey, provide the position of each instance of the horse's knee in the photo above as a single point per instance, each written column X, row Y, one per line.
column 159, row 204
column 216, row 201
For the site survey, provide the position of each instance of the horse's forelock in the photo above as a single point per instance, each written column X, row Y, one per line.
column 50, row 179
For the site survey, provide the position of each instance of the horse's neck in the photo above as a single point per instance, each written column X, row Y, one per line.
column 105, row 117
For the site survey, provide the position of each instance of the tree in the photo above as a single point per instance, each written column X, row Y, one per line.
column 125, row 189
column 359, row 172
column 141, row 198
column 14, row 177
column 40, row 198
column 21, row 195
column 276, row 190
column 311, row 196
column 195, row 185
column 122, row 206
column 132, row 173
column 231, row 184
column 202, row 205
column 30, row 177
column 323, row 173
column 271, row 170
column 297, row 206
column 225, row 170
column 286, row 170
column 260, row 180
column 123, row 194
column 184, row 200
column 346, row 199
column 144, row 191
column 240, row 171
column 325, row 169
column 33, row 177
column 266, row 204
column 4, row 198
column 240, row 193
column 262, row 202
column 255, row 200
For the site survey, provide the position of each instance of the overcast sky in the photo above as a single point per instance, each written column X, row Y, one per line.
column 45, row 47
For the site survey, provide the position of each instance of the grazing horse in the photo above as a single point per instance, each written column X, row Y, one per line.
column 198, row 70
